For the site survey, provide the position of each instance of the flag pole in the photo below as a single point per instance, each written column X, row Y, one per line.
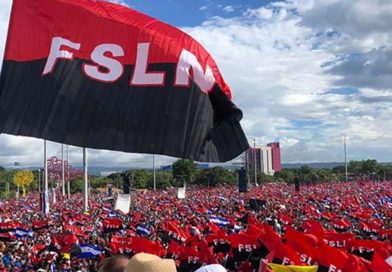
column 85, row 181
column 62, row 171
column 68, row 181
column 46, row 195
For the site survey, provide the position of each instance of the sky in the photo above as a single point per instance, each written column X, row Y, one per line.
column 304, row 72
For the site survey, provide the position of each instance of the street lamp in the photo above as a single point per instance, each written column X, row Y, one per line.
column 345, row 139
column 39, row 180
column 18, row 165
column 255, row 164
column 154, row 176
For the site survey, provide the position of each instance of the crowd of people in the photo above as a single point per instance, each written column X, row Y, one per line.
column 343, row 227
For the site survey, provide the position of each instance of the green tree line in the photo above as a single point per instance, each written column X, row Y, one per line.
column 357, row 170
column 187, row 172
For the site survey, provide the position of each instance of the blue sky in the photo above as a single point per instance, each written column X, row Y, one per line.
column 192, row 12
column 304, row 72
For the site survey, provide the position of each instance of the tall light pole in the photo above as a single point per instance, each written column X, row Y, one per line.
column 39, row 180
column 254, row 159
column 85, row 181
column 345, row 139
column 153, row 172
column 19, row 167
column 46, row 194
column 62, row 171
column 68, row 177
column 246, row 164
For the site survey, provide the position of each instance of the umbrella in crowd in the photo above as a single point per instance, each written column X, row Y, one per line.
column 331, row 227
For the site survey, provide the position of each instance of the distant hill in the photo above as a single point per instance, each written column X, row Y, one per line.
column 316, row 165
column 319, row 165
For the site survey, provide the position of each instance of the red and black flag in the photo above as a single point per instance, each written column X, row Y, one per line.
column 7, row 227
column 220, row 242
column 364, row 248
column 190, row 260
column 112, row 224
column 96, row 74
column 64, row 241
column 40, row 224
column 243, row 247
column 379, row 264
column 7, row 236
column 331, row 259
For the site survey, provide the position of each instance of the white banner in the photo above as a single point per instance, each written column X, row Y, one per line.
column 123, row 203
column 53, row 190
column 181, row 193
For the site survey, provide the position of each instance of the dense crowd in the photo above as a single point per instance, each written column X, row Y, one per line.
column 338, row 226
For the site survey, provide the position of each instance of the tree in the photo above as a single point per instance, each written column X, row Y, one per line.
column 369, row 166
column 23, row 179
column 305, row 170
column 100, row 182
column 163, row 179
column 141, row 178
column 286, row 175
column 184, row 170
column 117, row 180
column 76, row 185
column 214, row 176
column 262, row 177
column 385, row 171
column 339, row 169
column 355, row 167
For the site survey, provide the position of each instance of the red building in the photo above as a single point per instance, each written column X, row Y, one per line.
column 276, row 162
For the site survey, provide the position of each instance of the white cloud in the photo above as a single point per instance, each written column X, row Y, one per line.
column 281, row 66
column 228, row 9
column 119, row 2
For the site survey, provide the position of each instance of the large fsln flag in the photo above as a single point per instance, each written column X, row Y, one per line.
column 96, row 74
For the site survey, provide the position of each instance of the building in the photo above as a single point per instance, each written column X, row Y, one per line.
column 262, row 158
column 276, row 161
column 265, row 158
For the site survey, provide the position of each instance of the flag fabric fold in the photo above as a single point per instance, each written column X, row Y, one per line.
column 100, row 75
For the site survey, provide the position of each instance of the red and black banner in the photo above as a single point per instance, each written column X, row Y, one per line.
column 7, row 227
column 40, row 224
column 99, row 75
column 112, row 225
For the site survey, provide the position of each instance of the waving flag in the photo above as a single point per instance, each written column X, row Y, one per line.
column 40, row 224
column 53, row 266
column 379, row 264
column 112, row 224
column 219, row 221
column 173, row 231
column 292, row 268
column 7, row 236
column 142, row 229
column 96, row 74
column 220, row 242
column 20, row 233
column 7, row 227
column 89, row 251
